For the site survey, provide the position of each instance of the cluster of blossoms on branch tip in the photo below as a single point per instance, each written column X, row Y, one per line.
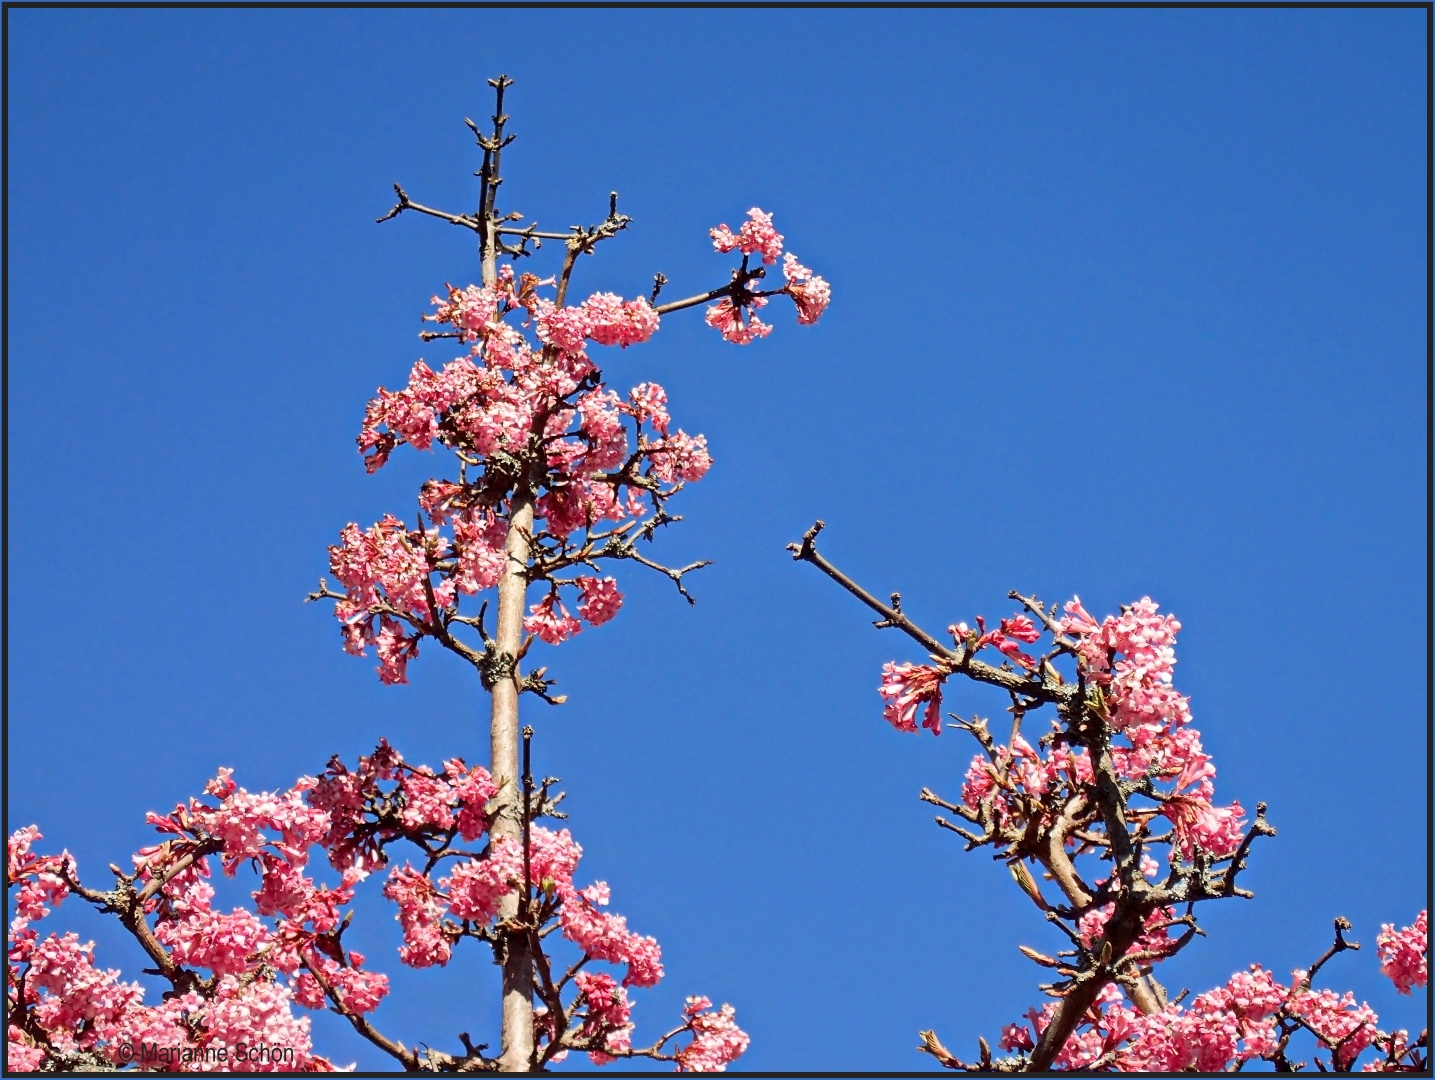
column 1076, row 811
column 1402, row 953
column 1047, row 804
column 734, row 316
column 1126, row 664
column 528, row 417
column 235, row 977
column 1251, row 1018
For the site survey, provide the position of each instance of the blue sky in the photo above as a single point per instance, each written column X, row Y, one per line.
column 1126, row 303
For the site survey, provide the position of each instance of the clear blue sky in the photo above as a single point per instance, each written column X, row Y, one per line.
column 1126, row 303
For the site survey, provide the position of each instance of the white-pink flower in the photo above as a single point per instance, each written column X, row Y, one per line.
column 907, row 687
column 612, row 321
column 601, row 600
column 549, row 620
column 680, row 457
column 757, row 236
column 1403, row 953
column 717, row 1040
column 809, row 292
column 728, row 319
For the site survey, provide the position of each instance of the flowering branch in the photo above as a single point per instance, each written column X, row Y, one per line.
column 288, row 950
column 400, row 1053
column 1081, row 802
column 548, row 478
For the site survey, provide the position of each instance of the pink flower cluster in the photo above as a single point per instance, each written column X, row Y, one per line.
column 735, row 315
column 73, row 1012
column 505, row 403
column 1219, row 1030
column 606, row 1015
column 1007, row 638
column 550, row 621
column 756, row 237
column 536, row 412
column 286, row 950
column 364, row 817
column 1403, row 953
column 1129, row 660
column 809, row 292
column 737, row 321
column 1341, row 1025
column 39, row 876
column 1131, row 656
column 717, row 1040
column 907, row 688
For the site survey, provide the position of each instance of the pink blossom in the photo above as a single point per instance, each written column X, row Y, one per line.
column 601, row 600
column 20, row 1055
column 549, row 620
column 1155, row 936
column 37, row 876
column 284, row 889
column 680, row 457
column 425, row 942
column 257, row 1014
column 395, row 650
column 385, row 565
column 728, row 319
column 360, row 991
column 165, row 1025
column 425, row 801
column 611, row 321
column 1016, row 1037
column 602, row 426
column 575, row 505
column 717, row 1040
column 1402, row 953
column 479, row 538
column 979, row 781
column 1344, row 1027
column 208, row 939
column 906, row 687
column 757, row 236
column 607, row 937
column 809, row 292
column 649, row 402
column 1216, row 830
column 607, row 1015
column 472, row 788
column 477, row 887
column 1005, row 638
column 562, row 328
column 242, row 819
column 1138, row 686
column 17, row 849
column 81, row 1003
column 553, row 855
column 469, row 310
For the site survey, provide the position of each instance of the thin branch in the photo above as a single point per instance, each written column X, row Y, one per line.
column 360, row 1023
column 1339, row 945
column 962, row 662
column 405, row 203
column 692, row 301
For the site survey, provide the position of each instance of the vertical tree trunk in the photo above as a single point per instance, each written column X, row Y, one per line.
column 517, row 1054
column 517, row 1032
